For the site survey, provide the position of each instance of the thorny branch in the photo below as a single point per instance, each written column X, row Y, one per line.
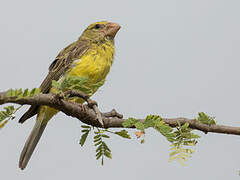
column 110, row 119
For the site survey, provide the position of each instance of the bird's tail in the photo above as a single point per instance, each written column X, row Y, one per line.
column 32, row 140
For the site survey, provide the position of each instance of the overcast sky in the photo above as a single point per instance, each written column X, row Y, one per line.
column 183, row 54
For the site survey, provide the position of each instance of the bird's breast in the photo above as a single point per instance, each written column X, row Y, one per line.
column 94, row 64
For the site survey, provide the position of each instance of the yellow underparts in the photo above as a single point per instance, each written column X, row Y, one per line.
column 93, row 65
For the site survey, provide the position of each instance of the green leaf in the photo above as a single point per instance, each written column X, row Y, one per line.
column 205, row 119
column 129, row 122
column 56, row 84
column 108, row 154
column 3, row 123
column 32, row 92
column 84, row 126
column 173, row 153
column 98, row 155
column 105, row 146
column 97, row 143
column 149, row 121
column 185, row 126
column 85, row 130
column 99, row 148
column 98, row 132
column 97, row 136
column 194, row 136
column 7, row 114
column 25, row 93
column 105, row 136
column 83, row 138
column 9, row 93
column 19, row 93
column 102, row 148
column 124, row 134
column 164, row 129
column 140, row 126
column 96, row 140
column 102, row 161
column 73, row 82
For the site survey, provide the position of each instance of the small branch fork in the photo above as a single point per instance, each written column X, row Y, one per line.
column 90, row 114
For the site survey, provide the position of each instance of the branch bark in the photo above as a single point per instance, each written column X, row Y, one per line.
column 111, row 119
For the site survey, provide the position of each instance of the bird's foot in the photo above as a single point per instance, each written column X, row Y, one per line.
column 91, row 103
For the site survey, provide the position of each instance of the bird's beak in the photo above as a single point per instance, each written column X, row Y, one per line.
column 111, row 29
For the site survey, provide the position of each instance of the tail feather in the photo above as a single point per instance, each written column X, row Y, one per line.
column 33, row 110
column 31, row 142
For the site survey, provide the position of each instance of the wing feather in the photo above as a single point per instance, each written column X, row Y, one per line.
column 57, row 69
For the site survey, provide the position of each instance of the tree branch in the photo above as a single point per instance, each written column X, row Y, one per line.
column 111, row 119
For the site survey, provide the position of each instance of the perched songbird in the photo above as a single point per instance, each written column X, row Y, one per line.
column 90, row 57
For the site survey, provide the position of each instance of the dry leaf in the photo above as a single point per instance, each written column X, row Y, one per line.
column 139, row 133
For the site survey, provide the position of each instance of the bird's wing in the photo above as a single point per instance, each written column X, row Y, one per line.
column 57, row 68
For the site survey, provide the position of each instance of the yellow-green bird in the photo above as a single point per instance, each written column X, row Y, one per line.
column 90, row 57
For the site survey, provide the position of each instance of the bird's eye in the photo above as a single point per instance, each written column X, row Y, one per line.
column 97, row 26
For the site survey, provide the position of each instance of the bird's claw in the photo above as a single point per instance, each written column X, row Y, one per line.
column 91, row 103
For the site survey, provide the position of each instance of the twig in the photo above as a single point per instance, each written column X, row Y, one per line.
column 87, row 115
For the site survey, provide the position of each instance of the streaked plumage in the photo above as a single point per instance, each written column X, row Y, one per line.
column 91, row 56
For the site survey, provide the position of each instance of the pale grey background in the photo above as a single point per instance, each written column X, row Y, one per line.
column 183, row 54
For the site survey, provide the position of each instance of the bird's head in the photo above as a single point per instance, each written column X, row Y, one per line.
column 100, row 31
